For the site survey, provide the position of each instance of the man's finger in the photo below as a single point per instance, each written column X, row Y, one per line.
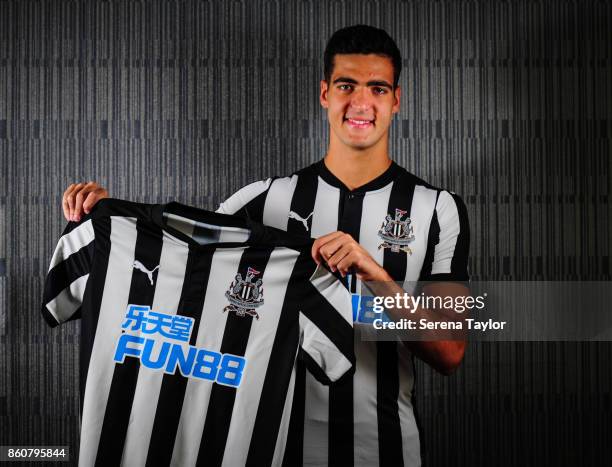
column 325, row 240
column 69, row 189
column 70, row 199
column 321, row 241
column 79, row 199
column 78, row 205
column 92, row 198
column 89, row 200
column 338, row 257
column 65, row 205
column 328, row 250
column 332, row 246
column 346, row 265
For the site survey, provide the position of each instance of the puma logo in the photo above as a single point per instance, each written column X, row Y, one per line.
column 297, row 217
column 141, row 267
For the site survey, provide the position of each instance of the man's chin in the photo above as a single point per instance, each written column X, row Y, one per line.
column 359, row 145
column 358, row 141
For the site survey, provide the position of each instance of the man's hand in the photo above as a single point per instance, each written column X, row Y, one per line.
column 342, row 253
column 80, row 198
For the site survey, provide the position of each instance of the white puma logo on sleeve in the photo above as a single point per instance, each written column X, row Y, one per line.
column 141, row 267
column 297, row 217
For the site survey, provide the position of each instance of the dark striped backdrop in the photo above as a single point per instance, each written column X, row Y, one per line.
column 507, row 103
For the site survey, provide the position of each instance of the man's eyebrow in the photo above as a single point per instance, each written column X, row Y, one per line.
column 379, row 83
column 344, row 79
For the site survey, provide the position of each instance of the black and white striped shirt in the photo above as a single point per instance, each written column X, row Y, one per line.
column 369, row 420
column 191, row 323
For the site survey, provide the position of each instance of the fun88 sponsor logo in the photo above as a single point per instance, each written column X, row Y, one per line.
column 166, row 351
column 363, row 310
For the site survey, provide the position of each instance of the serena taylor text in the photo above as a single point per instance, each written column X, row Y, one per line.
column 425, row 324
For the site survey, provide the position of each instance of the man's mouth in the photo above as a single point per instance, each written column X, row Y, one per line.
column 359, row 122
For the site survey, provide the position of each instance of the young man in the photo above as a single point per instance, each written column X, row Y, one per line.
column 342, row 201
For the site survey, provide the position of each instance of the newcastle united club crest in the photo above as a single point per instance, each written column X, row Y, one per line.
column 245, row 295
column 396, row 233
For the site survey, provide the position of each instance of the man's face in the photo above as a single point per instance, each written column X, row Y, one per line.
column 360, row 99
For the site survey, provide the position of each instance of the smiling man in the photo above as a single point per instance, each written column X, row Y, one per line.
column 361, row 95
column 348, row 201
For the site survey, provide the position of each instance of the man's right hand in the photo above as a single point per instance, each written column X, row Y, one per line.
column 80, row 198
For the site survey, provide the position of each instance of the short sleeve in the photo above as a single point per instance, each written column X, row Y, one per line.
column 248, row 201
column 326, row 322
column 68, row 273
column 448, row 242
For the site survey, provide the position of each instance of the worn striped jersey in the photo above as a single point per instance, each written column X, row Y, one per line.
column 416, row 232
column 191, row 324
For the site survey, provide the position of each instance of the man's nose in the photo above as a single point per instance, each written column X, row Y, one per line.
column 361, row 99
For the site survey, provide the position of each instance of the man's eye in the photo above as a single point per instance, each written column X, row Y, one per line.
column 380, row 91
column 344, row 87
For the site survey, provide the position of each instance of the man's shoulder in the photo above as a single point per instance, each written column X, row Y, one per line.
column 254, row 193
column 412, row 179
column 449, row 207
column 265, row 183
column 288, row 178
column 311, row 170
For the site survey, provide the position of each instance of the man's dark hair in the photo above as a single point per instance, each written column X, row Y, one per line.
column 361, row 39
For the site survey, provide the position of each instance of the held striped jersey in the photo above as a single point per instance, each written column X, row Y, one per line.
column 191, row 324
column 417, row 233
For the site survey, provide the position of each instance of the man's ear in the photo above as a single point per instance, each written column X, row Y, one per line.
column 397, row 94
column 323, row 94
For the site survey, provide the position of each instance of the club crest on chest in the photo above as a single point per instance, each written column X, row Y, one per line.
column 245, row 295
column 396, row 233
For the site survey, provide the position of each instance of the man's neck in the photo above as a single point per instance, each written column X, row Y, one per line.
column 355, row 169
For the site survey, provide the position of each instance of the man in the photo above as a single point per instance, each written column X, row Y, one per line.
column 346, row 201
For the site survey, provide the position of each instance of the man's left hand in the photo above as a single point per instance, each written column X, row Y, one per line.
column 341, row 252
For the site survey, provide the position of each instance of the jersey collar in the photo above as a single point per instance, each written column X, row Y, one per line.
column 208, row 217
column 376, row 184
column 261, row 235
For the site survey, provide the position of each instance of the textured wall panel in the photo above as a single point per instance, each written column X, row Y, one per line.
column 507, row 103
